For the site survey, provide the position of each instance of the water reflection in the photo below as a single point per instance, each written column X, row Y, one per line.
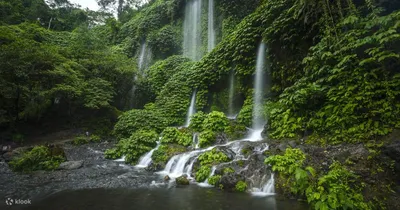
column 187, row 198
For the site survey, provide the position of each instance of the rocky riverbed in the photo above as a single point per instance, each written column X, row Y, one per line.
column 85, row 168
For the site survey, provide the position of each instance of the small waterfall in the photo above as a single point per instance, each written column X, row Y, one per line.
column 231, row 95
column 192, row 30
column 191, row 110
column 145, row 160
column 144, row 57
column 267, row 189
column 176, row 165
column 196, row 140
column 259, row 81
column 211, row 29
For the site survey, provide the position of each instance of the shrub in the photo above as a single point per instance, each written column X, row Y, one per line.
column 213, row 157
column 39, row 158
column 206, row 138
column 197, row 120
column 216, row 121
column 134, row 120
column 241, row 186
column 79, row 140
column 245, row 115
column 95, row 138
column 228, row 170
column 213, row 180
column 165, row 152
column 335, row 190
column 173, row 135
column 202, row 174
column 135, row 146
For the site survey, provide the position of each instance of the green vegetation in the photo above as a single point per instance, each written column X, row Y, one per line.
column 39, row 158
column 241, row 186
column 213, row 180
column 165, row 152
column 207, row 160
column 172, row 135
column 338, row 189
column 134, row 147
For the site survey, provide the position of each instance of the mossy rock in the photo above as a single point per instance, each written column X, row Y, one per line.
column 182, row 180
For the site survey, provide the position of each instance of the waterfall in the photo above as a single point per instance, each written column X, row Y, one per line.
column 145, row 160
column 259, row 82
column 192, row 30
column 231, row 115
column 266, row 189
column 144, row 57
column 196, row 140
column 191, row 110
column 211, row 29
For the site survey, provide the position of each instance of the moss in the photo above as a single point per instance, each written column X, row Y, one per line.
column 241, row 186
column 39, row 158
column 228, row 170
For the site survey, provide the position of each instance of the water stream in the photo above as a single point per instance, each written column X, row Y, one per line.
column 211, row 29
column 191, row 110
column 192, row 30
column 145, row 160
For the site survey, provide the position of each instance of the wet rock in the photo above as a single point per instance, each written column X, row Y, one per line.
column 182, row 180
column 167, row 178
column 221, row 139
column 282, row 147
column 71, row 165
column 229, row 181
column 228, row 152
column 292, row 144
column 56, row 150
column 8, row 156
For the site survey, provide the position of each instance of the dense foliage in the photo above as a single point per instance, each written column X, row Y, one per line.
column 39, row 158
column 338, row 189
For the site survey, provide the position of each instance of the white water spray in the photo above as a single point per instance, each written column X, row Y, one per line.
column 144, row 57
column 259, row 82
column 192, row 30
column 231, row 95
column 211, row 29
column 267, row 189
column 145, row 160
column 191, row 110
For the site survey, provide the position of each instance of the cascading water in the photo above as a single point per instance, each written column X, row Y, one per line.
column 231, row 114
column 145, row 160
column 267, row 189
column 144, row 57
column 259, row 81
column 192, row 30
column 211, row 29
column 191, row 110
column 195, row 140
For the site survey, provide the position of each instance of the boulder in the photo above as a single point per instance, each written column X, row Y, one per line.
column 71, row 165
column 182, row 180
column 167, row 178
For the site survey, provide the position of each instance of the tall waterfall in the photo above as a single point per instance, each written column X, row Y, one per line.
column 144, row 57
column 231, row 113
column 191, row 110
column 259, row 85
column 192, row 30
column 211, row 29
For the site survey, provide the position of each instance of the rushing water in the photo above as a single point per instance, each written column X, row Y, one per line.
column 192, row 30
column 259, row 80
column 211, row 29
column 191, row 110
column 146, row 159
column 144, row 57
column 186, row 198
